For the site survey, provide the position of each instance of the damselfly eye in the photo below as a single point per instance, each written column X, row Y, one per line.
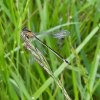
column 27, row 36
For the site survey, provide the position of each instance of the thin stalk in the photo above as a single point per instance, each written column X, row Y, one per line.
column 43, row 62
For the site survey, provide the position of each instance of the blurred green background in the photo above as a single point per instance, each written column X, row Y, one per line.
column 22, row 78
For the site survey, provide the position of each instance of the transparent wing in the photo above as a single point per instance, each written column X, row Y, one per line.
column 61, row 34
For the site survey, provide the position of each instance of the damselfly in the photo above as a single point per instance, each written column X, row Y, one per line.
column 26, row 35
column 29, row 34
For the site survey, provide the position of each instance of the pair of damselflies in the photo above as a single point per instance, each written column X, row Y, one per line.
column 26, row 35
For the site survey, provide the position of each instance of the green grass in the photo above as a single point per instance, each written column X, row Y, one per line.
column 23, row 78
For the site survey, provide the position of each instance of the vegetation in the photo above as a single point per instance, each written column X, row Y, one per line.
column 21, row 77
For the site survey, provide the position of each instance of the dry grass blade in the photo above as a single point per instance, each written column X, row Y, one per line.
column 43, row 62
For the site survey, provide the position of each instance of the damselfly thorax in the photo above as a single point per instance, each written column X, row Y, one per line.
column 28, row 34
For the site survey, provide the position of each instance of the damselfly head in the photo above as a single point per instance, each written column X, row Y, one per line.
column 27, row 33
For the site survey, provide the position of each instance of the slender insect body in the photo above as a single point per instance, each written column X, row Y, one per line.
column 29, row 34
